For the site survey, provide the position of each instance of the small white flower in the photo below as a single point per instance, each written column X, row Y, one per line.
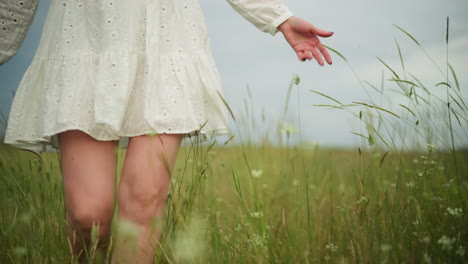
column 219, row 199
column 256, row 214
column 415, row 161
column 288, row 129
column 431, row 147
column 446, row 242
column 258, row 241
column 257, row 173
column 331, row 247
column 455, row 211
column 410, row 184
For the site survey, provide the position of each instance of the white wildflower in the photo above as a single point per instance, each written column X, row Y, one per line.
column 410, row 184
column 431, row 147
column 258, row 241
column 446, row 242
column 257, row 173
column 256, row 214
column 415, row 161
column 288, row 129
column 331, row 247
column 455, row 211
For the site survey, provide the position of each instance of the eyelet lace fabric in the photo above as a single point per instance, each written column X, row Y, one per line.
column 123, row 68
column 15, row 19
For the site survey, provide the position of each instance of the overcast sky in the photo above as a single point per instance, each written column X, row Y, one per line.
column 363, row 31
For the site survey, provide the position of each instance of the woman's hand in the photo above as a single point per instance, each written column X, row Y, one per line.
column 303, row 38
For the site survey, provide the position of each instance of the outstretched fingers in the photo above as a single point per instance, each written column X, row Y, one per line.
column 325, row 53
column 320, row 32
column 317, row 55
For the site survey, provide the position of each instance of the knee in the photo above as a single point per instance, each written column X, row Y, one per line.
column 83, row 217
column 142, row 202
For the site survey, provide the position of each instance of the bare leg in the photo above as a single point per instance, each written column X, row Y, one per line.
column 142, row 195
column 89, row 176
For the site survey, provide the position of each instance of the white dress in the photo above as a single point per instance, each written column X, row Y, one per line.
column 122, row 68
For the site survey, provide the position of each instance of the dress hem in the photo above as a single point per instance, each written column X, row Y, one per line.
column 39, row 145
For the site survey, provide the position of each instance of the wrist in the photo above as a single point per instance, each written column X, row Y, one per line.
column 285, row 25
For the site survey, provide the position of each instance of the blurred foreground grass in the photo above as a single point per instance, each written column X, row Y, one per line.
column 264, row 204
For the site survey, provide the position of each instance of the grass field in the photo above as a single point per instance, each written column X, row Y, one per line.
column 401, row 197
column 263, row 204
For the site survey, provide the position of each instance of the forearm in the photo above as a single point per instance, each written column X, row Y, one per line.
column 266, row 15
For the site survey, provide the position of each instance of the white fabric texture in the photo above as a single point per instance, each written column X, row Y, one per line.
column 15, row 20
column 125, row 68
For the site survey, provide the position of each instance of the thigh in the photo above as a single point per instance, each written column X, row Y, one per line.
column 89, row 173
column 147, row 168
column 150, row 152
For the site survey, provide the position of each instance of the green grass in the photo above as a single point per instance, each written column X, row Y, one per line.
column 398, row 198
column 249, row 205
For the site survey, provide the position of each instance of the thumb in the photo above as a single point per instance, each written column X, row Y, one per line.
column 320, row 32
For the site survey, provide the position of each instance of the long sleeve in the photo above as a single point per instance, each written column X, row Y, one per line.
column 266, row 15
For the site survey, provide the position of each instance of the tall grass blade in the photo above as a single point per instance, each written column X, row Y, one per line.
column 373, row 86
column 226, row 104
column 447, row 32
column 400, row 55
column 456, row 101
column 376, row 107
column 329, row 97
column 408, row 34
column 288, row 95
column 443, row 83
column 388, row 67
column 409, row 110
column 404, row 81
column 383, row 159
column 456, row 116
column 336, row 52
column 457, row 84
